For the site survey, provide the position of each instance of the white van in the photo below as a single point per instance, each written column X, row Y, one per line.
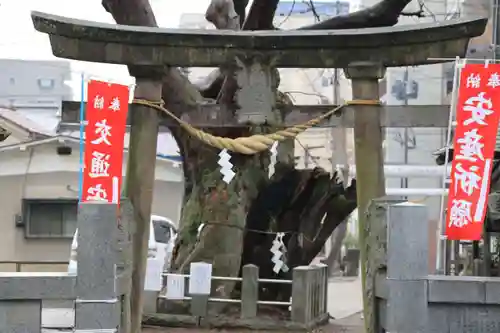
column 162, row 235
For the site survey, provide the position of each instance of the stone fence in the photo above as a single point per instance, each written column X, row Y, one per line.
column 96, row 291
column 308, row 305
column 411, row 300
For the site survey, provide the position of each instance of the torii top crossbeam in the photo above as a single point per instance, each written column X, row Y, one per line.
column 405, row 45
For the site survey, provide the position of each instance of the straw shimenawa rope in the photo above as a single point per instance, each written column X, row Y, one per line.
column 256, row 143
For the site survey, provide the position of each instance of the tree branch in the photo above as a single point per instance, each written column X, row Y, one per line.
column 222, row 14
column 177, row 93
column 417, row 13
column 240, row 7
column 382, row 14
column 261, row 15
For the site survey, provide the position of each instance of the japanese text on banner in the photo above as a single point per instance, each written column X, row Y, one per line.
column 478, row 111
column 106, row 115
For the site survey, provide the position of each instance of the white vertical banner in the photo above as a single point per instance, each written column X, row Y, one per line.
column 175, row 287
column 154, row 271
column 200, row 278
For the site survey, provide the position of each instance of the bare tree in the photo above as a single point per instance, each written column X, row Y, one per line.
column 241, row 218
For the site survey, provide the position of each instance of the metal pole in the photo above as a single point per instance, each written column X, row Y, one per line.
column 495, row 33
column 339, row 155
column 496, row 55
column 441, row 241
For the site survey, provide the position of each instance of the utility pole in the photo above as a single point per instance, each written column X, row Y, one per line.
column 338, row 146
column 339, row 156
column 404, row 181
column 496, row 29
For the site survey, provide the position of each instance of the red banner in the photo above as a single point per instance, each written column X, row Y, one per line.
column 478, row 111
column 106, row 114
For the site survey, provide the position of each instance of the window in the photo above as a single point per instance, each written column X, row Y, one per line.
column 50, row 218
column 162, row 231
column 46, row 84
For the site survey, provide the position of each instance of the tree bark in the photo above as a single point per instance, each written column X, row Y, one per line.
column 307, row 205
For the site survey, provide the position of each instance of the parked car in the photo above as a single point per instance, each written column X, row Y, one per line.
column 161, row 242
column 165, row 234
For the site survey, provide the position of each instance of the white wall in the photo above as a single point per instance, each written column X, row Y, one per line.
column 44, row 158
column 49, row 176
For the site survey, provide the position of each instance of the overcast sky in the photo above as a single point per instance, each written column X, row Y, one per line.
column 19, row 39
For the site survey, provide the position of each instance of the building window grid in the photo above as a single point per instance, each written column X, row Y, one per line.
column 50, row 218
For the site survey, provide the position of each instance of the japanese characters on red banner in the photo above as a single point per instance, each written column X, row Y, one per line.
column 478, row 111
column 106, row 115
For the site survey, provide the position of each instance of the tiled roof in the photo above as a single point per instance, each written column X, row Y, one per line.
column 13, row 121
column 31, row 125
column 166, row 145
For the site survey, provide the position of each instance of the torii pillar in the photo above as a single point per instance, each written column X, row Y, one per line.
column 368, row 138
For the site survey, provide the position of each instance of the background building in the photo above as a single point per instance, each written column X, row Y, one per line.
column 39, row 163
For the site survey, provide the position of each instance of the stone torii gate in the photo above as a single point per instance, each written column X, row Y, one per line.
column 364, row 55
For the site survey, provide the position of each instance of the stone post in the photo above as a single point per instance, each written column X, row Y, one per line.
column 323, row 289
column 407, row 268
column 368, row 140
column 97, row 306
column 249, row 291
column 301, row 294
column 126, row 227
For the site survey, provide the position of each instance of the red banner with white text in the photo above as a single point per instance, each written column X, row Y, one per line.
column 478, row 110
column 106, row 115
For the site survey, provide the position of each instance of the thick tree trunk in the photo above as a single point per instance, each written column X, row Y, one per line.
column 241, row 219
column 222, row 209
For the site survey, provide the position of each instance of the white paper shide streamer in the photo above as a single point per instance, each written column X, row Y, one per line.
column 278, row 250
column 272, row 158
column 226, row 166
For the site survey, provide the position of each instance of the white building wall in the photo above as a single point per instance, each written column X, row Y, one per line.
column 35, row 89
column 39, row 173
